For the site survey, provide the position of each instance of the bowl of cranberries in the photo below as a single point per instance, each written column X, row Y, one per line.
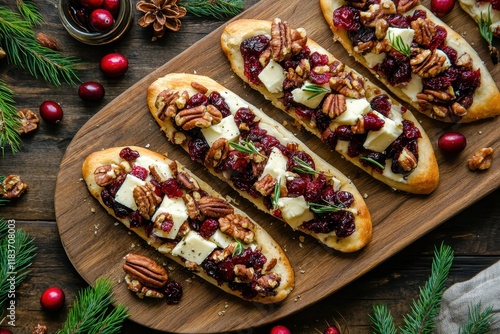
column 96, row 22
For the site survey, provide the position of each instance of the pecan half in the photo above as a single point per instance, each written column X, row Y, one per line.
column 187, row 182
column 140, row 290
column 243, row 274
column 427, row 63
column 145, row 270
column 407, row 160
column 146, row 199
column 199, row 87
column 481, row 160
column 334, row 105
column 105, row 175
column 214, row 207
column 265, row 186
column 238, row 227
column 267, row 282
column 165, row 104
column 192, row 208
column 39, row 329
column 13, row 187
column 348, row 84
column 405, row 5
column 281, row 39
column 424, row 29
column 29, row 121
column 299, row 40
column 198, row 117
column 217, row 153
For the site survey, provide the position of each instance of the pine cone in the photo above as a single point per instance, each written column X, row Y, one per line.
column 163, row 14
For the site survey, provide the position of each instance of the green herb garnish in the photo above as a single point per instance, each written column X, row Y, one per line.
column 218, row 9
column 303, row 167
column 315, row 90
column 324, row 208
column 276, row 194
column 399, row 45
column 238, row 250
column 485, row 30
column 373, row 161
column 247, row 147
column 3, row 200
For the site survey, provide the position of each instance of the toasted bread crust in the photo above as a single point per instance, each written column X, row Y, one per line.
column 423, row 180
column 486, row 98
column 267, row 244
column 182, row 82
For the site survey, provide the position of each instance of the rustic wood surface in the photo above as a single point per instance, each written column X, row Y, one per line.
column 473, row 233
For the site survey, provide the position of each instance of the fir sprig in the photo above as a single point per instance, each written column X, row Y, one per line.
column 399, row 45
column 484, row 25
column 246, row 147
column 9, row 120
column 218, row 9
column 478, row 321
column 30, row 12
column 383, row 320
column 91, row 311
column 315, row 90
column 15, row 259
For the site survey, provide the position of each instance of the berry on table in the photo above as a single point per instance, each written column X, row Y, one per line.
column 5, row 331
column 52, row 299
column 279, row 329
column 91, row 91
column 451, row 143
column 441, row 8
column 331, row 330
column 114, row 65
column 51, row 112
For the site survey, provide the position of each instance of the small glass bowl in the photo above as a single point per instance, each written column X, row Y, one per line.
column 122, row 24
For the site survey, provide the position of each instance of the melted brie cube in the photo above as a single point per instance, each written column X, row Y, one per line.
column 356, row 108
column 194, row 248
column 413, row 87
column 221, row 239
column 309, row 99
column 177, row 209
column 406, row 35
column 276, row 165
column 125, row 195
column 379, row 140
column 161, row 168
column 272, row 76
column 227, row 128
column 295, row 210
column 373, row 59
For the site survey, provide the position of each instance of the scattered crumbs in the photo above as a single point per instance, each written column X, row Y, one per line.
column 92, row 210
column 147, row 145
column 226, row 305
column 129, row 233
column 472, row 43
column 80, row 179
column 222, row 313
column 119, row 280
column 396, row 275
column 116, row 223
column 365, row 195
column 194, row 71
column 170, row 268
column 97, row 125
column 230, row 199
column 298, row 298
column 302, row 271
column 480, row 132
column 189, row 280
column 302, row 238
column 285, row 123
column 300, row 245
column 132, row 245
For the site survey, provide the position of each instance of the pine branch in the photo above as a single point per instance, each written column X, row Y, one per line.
column 15, row 259
column 426, row 308
column 90, row 312
column 478, row 322
column 9, row 121
column 30, row 12
column 382, row 320
column 218, row 9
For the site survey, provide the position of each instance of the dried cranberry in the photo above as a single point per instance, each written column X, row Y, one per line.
column 372, row 122
column 251, row 258
column 173, row 292
column 347, row 18
column 382, row 104
column 296, row 187
column 198, row 148
column 139, row 172
column 322, row 120
column 196, row 100
column 317, row 225
column 410, row 131
column 439, row 38
column 171, row 188
column 129, row 154
column 268, row 142
column 355, row 147
column 107, row 199
column 304, row 112
column 344, row 132
column 136, row 219
column 236, row 161
column 362, row 35
column 451, row 53
column 299, row 155
column 396, row 68
column 195, row 224
column 313, row 192
column 419, row 14
column 256, row 134
column 397, row 21
column 439, row 83
column 225, row 271
column 318, row 59
column 345, row 226
column 468, row 81
column 319, row 78
column 254, row 45
column 245, row 180
column 329, row 138
column 219, row 102
column 116, row 184
column 495, row 4
column 244, row 116
column 374, row 156
column 208, row 228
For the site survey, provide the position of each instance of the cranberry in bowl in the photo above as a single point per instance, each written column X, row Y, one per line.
column 96, row 22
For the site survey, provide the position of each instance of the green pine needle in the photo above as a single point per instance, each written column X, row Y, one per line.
column 23, row 250
column 426, row 308
column 478, row 322
column 218, row 9
column 382, row 320
column 30, row 12
column 91, row 311
column 9, row 121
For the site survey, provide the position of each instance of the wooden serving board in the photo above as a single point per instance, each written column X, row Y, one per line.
column 96, row 245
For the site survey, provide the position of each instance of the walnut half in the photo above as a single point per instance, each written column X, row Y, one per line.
column 481, row 160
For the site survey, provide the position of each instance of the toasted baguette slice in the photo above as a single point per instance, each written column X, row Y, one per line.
column 485, row 99
column 411, row 168
column 261, row 160
column 192, row 225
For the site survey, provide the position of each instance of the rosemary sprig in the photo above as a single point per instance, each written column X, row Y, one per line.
column 324, row 208
column 91, row 311
column 246, row 147
column 373, row 161
column 218, row 9
column 485, row 30
column 399, row 45
column 315, row 90
column 276, row 194
column 30, row 12
column 9, row 120
column 239, row 247
column 303, row 167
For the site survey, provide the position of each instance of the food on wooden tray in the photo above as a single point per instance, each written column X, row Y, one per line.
column 187, row 221
column 417, row 56
column 349, row 113
column 260, row 159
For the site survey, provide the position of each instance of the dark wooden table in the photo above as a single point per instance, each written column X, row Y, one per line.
column 473, row 233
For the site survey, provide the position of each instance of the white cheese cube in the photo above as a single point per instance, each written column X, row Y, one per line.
column 356, row 108
column 308, row 98
column 160, row 167
column 125, row 195
column 227, row 128
column 221, row 239
column 373, row 59
column 387, row 172
column 447, row 62
column 177, row 209
column 194, row 248
column 274, row 131
column 295, row 210
column 379, row 140
column 406, row 35
column 412, row 88
column 276, row 165
column 272, row 76
column 342, row 146
column 336, row 184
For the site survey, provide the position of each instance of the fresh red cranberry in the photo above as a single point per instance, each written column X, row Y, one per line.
column 51, row 112
column 91, row 4
column 52, row 299
column 113, row 6
column 442, row 8
column 332, row 330
column 91, row 91
column 279, row 329
column 452, row 143
column 114, row 65
column 101, row 20
column 5, row 331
